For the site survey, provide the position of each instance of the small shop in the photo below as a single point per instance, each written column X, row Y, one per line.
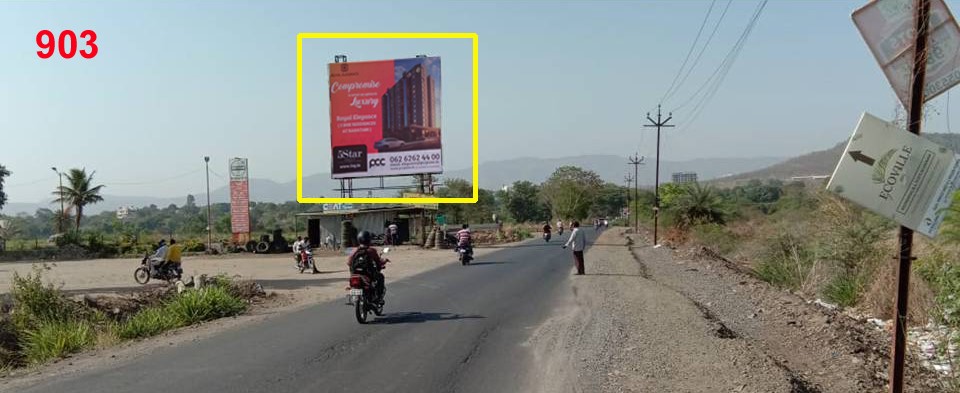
column 410, row 220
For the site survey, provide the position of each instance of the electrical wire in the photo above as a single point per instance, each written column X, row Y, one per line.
column 725, row 66
column 703, row 49
column 689, row 52
column 154, row 181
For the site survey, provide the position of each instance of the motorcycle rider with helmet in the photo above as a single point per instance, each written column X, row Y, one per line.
column 364, row 238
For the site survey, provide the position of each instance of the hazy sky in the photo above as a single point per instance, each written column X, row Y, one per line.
column 176, row 81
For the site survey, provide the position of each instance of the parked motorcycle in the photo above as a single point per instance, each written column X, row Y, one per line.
column 306, row 262
column 148, row 269
column 363, row 294
column 465, row 255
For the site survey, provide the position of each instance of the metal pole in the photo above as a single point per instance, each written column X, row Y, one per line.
column 656, row 187
column 906, row 234
column 636, row 161
column 60, row 193
column 206, row 161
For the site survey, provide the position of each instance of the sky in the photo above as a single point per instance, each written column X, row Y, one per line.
column 176, row 81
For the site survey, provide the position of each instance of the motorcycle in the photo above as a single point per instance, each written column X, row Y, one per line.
column 306, row 262
column 148, row 269
column 363, row 294
column 546, row 236
column 465, row 255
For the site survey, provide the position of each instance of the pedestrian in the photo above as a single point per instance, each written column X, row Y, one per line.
column 394, row 232
column 578, row 242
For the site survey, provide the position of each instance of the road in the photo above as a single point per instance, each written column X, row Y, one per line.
column 454, row 328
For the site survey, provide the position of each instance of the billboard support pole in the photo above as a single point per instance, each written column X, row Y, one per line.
column 656, row 187
column 906, row 234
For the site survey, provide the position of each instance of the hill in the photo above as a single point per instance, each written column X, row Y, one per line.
column 819, row 163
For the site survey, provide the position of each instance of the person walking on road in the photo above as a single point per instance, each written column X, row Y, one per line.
column 577, row 242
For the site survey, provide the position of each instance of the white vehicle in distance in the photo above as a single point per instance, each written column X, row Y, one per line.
column 388, row 143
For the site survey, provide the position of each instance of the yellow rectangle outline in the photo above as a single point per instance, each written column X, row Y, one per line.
column 476, row 154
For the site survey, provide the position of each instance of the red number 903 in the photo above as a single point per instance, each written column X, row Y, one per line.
column 67, row 43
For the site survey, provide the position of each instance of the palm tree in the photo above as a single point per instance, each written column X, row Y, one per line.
column 699, row 205
column 79, row 192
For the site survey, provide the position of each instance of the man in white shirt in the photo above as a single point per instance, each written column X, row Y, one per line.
column 297, row 247
column 578, row 242
column 394, row 232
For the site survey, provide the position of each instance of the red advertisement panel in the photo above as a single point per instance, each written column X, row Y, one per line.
column 385, row 118
column 239, row 196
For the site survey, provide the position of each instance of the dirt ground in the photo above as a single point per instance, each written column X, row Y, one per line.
column 648, row 320
column 275, row 272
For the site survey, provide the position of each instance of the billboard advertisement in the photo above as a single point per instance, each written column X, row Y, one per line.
column 239, row 197
column 385, row 118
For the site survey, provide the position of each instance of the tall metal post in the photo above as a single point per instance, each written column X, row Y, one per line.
column 906, row 234
column 60, row 193
column 627, row 179
column 206, row 162
column 656, row 188
column 636, row 161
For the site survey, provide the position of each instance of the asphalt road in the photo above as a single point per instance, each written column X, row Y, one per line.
column 452, row 329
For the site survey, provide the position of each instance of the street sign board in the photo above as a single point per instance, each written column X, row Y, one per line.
column 897, row 174
column 888, row 27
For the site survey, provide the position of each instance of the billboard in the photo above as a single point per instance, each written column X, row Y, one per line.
column 385, row 118
column 239, row 197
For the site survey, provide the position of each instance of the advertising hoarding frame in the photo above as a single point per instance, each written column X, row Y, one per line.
column 475, row 126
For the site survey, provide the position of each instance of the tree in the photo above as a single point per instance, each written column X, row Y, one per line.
column 699, row 205
column 79, row 191
column 610, row 199
column 522, row 201
column 3, row 196
column 455, row 188
column 570, row 192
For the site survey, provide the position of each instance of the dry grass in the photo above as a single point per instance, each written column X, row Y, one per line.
column 880, row 295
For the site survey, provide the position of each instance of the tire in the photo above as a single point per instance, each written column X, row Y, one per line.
column 141, row 275
column 263, row 247
column 251, row 246
column 360, row 310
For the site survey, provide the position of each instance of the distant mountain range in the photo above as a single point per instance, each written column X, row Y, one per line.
column 493, row 175
column 819, row 163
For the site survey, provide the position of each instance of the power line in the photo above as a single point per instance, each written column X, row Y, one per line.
column 689, row 52
column 154, row 181
column 696, row 60
column 725, row 66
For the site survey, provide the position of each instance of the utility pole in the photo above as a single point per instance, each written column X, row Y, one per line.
column 60, row 193
column 206, row 161
column 906, row 234
column 636, row 161
column 656, row 187
column 627, row 179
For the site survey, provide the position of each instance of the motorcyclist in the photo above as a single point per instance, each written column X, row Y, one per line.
column 160, row 256
column 364, row 238
column 560, row 227
column 546, row 230
column 171, row 260
column 297, row 247
column 464, row 240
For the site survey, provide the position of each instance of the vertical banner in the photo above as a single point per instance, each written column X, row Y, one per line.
column 239, row 199
column 385, row 118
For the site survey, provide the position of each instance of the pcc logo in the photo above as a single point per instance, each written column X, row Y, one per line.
column 378, row 162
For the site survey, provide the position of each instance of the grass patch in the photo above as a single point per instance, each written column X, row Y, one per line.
column 188, row 308
column 843, row 290
column 717, row 237
column 787, row 261
column 54, row 339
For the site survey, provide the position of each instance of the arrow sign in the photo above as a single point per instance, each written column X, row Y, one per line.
column 860, row 157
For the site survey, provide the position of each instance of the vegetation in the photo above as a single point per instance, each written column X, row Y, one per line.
column 79, row 192
column 4, row 173
column 46, row 325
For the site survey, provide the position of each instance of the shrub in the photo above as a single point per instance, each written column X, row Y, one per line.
column 203, row 305
column 787, row 261
column 36, row 303
column 717, row 237
column 55, row 339
column 148, row 322
column 843, row 290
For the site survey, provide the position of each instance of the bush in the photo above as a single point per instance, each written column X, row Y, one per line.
column 843, row 290
column 54, row 339
column 148, row 322
column 37, row 303
column 203, row 305
column 717, row 237
column 787, row 261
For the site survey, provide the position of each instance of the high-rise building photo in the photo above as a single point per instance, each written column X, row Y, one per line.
column 411, row 119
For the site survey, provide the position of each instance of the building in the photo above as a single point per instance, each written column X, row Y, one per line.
column 684, row 177
column 373, row 218
column 409, row 107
